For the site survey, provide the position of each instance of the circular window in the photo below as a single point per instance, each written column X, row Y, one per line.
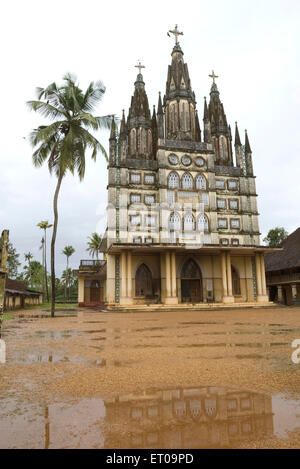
column 186, row 160
column 173, row 159
column 199, row 161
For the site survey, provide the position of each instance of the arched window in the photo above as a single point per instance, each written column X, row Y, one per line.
column 175, row 222
column 223, row 148
column 143, row 281
column 187, row 181
column 132, row 142
column 200, row 182
column 173, row 181
column 190, row 270
column 202, row 222
column 236, row 286
column 189, row 222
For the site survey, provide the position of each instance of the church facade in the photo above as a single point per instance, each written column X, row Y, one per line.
column 182, row 217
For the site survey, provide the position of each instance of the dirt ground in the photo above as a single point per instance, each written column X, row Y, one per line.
column 152, row 379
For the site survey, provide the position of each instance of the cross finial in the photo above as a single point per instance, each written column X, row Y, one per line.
column 176, row 33
column 213, row 76
column 140, row 66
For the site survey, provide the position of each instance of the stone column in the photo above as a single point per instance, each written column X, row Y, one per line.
column 80, row 290
column 123, row 292
column 129, row 276
column 224, row 276
column 295, row 295
column 170, row 298
column 279, row 294
column 173, row 271
column 229, row 274
column 229, row 298
column 263, row 275
column 261, row 297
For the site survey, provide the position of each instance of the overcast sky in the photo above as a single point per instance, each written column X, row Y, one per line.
column 253, row 45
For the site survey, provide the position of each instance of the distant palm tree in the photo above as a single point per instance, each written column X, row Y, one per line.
column 67, row 251
column 28, row 256
column 44, row 225
column 63, row 143
column 94, row 245
column 67, row 278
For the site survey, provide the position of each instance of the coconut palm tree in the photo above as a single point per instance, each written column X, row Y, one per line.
column 67, row 251
column 28, row 256
column 44, row 225
column 64, row 142
column 68, row 279
column 94, row 245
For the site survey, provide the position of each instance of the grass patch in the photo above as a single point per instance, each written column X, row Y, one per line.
column 7, row 317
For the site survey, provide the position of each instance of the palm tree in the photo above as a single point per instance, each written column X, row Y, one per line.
column 64, row 142
column 94, row 245
column 28, row 256
column 67, row 278
column 67, row 251
column 44, row 225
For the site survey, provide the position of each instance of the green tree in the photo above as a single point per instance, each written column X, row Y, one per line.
column 64, row 142
column 12, row 261
column 94, row 245
column 68, row 251
column 44, row 225
column 33, row 275
column 67, row 279
column 275, row 237
column 28, row 256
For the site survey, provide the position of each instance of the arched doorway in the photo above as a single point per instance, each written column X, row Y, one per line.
column 143, row 281
column 191, row 283
column 236, row 285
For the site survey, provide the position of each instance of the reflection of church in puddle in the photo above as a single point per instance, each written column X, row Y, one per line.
column 187, row 418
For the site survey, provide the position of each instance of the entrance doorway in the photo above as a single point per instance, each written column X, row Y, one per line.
column 191, row 283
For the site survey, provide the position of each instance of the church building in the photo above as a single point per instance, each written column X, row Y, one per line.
column 182, row 217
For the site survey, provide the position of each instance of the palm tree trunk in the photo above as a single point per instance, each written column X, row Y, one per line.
column 46, row 277
column 68, row 293
column 53, row 244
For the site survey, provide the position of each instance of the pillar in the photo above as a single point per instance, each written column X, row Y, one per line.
column 123, row 289
column 227, row 275
column 171, row 298
column 295, row 295
column 168, row 275
column 261, row 297
column 173, row 274
column 80, row 290
column 263, row 275
column 279, row 294
column 224, row 276
column 129, row 275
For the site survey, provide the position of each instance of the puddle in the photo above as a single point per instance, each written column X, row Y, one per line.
column 181, row 418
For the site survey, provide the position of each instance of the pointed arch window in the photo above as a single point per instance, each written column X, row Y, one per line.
column 132, row 142
column 173, row 181
column 201, row 182
column 187, row 181
column 174, row 222
column 189, row 222
column 202, row 222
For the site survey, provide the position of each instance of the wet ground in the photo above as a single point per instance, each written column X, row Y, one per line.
column 152, row 380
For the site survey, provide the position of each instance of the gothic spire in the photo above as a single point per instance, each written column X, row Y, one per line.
column 197, row 128
column 160, row 119
column 237, row 140
column 123, row 124
column 247, row 144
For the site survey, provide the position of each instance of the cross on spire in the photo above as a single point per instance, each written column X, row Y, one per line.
column 139, row 66
column 213, row 76
column 176, row 33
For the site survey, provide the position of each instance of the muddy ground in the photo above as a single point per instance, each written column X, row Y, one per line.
column 152, row 379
